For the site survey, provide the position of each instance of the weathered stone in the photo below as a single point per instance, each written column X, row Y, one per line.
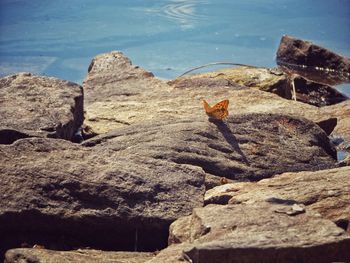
column 328, row 125
column 39, row 106
column 258, row 233
column 117, row 98
column 64, row 195
column 315, row 93
column 312, row 62
column 244, row 147
column 326, row 191
column 271, row 80
column 32, row 255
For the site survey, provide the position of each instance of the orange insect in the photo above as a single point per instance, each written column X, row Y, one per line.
column 218, row 111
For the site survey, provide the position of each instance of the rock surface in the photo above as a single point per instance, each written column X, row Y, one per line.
column 133, row 182
column 259, row 222
column 314, row 93
column 326, row 191
column 312, row 61
column 270, row 80
column 156, row 154
column 32, row 255
column 259, row 232
column 64, row 195
column 116, row 98
column 39, row 106
column 244, row 147
column 282, row 219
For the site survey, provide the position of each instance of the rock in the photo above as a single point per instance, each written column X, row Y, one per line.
column 326, row 191
column 340, row 111
column 328, row 125
column 117, row 98
column 112, row 87
column 39, row 106
column 315, row 93
column 244, row 147
column 345, row 161
column 312, row 62
column 133, row 182
column 27, row 255
column 63, row 195
column 270, row 80
column 258, row 233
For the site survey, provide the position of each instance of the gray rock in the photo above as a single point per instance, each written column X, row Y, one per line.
column 39, row 106
column 312, row 61
column 32, row 255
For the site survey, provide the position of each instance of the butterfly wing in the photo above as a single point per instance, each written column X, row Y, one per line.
column 218, row 111
column 207, row 108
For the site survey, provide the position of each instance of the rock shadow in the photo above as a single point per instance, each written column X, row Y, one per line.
column 230, row 138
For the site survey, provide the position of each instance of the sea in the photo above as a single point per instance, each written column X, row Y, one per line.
column 167, row 37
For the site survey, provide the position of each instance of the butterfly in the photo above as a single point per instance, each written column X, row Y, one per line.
column 218, row 111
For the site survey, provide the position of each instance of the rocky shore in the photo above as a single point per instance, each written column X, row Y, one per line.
column 128, row 167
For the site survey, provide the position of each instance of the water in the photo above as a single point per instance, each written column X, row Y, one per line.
column 59, row 38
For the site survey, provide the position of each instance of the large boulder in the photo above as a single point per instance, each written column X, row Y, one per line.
column 63, row 195
column 244, row 147
column 312, row 61
column 39, row 106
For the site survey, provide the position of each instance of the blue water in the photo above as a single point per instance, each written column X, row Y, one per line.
column 59, row 38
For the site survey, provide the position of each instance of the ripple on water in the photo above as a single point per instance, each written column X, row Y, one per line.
column 184, row 12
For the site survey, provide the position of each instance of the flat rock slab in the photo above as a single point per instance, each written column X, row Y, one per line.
column 244, row 147
column 39, row 106
column 64, row 195
column 33, row 255
column 258, row 233
column 312, row 61
column 326, row 191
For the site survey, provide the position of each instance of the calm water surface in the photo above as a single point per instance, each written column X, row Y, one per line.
column 59, row 38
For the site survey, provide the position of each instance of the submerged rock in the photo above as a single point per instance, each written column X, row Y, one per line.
column 39, row 106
